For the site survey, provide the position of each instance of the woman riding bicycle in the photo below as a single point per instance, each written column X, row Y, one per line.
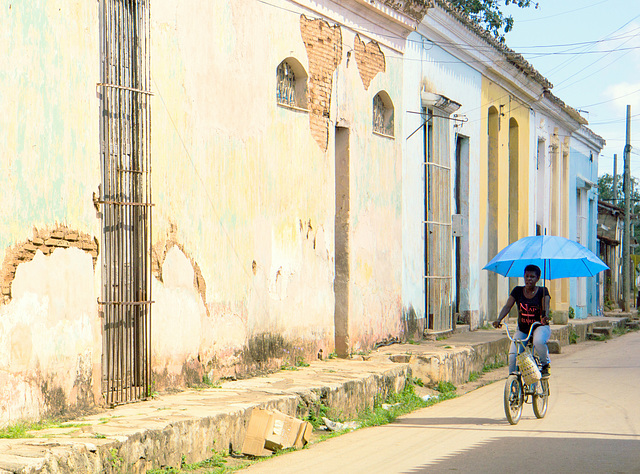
column 533, row 306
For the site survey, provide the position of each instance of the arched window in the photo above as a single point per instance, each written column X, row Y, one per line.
column 291, row 89
column 383, row 114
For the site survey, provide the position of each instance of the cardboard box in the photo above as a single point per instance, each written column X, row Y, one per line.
column 271, row 430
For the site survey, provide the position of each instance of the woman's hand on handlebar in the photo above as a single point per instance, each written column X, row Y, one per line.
column 497, row 324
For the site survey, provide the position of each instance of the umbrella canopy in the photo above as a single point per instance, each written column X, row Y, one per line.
column 557, row 257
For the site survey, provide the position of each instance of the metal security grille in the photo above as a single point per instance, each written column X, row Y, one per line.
column 438, row 226
column 125, row 200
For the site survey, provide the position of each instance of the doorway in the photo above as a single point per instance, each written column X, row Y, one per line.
column 341, row 282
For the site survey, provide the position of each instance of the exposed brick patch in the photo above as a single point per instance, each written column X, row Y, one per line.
column 159, row 253
column 45, row 240
column 324, row 48
column 370, row 60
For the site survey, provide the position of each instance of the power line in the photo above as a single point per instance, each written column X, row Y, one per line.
column 610, row 100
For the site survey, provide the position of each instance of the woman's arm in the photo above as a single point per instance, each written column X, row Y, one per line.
column 545, row 309
column 504, row 311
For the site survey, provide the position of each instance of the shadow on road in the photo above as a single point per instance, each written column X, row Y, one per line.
column 449, row 421
column 536, row 454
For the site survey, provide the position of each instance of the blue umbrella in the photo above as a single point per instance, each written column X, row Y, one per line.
column 557, row 257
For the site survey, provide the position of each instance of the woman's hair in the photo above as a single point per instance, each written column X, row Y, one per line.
column 533, row 268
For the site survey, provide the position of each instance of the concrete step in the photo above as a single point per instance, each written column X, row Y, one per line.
column 633, row 324
column 605, row 330
column 554, row 346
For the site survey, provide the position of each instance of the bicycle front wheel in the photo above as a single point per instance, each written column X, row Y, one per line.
column 513, row 399
column 541, row 398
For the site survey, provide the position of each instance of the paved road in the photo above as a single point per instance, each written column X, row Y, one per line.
column 592, row 425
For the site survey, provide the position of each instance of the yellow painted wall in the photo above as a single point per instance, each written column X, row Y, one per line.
column 493, row 95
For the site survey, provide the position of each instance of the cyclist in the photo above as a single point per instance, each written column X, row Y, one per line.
column 533, row 306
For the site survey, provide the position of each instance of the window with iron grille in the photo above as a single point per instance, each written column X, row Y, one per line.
column 291, row 88
column 383, row 114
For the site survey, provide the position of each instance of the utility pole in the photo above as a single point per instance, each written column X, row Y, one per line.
column 627, row 216
column 615, row 179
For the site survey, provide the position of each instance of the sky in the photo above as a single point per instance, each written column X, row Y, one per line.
column 590, row 51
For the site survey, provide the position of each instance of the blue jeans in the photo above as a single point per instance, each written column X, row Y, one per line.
column 541, row 335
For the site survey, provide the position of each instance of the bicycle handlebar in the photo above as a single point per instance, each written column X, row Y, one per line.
column 536, row 323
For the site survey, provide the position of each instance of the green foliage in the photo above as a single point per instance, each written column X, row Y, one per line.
column 21, row 429
column 473, row 376
column 210, row 383
column 401, row 404
column 216, row 464
column 572, row 312
column 447, row 390
column 496, row 364
column 488, row 14
column 316, row 412
column 115, row 460
column 573, row 337
column 18, row 430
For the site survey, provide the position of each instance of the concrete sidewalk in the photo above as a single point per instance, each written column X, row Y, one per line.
column 159, row 432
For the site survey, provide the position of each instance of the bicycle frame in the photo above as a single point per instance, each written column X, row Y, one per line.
column 517, row 392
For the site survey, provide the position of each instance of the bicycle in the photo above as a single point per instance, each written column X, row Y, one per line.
column 525, row 385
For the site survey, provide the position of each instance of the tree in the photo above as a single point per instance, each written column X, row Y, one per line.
column 605, row 193
column 488, row 15
column 605, row 188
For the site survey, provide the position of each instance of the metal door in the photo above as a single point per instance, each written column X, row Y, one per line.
column 125, row 200
column 437, row 225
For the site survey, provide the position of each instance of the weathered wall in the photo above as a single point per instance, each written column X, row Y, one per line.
column 50, row 342
column 552, row 194
column 244, row 190
column 507, row 107
column 585, row 150
column 430, row 68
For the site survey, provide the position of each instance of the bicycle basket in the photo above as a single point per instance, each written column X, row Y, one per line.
column 528, row 367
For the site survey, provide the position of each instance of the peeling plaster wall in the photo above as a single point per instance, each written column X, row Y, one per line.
column 248, row 187
column 50, row 338
column 50, row 345
column 244, row 195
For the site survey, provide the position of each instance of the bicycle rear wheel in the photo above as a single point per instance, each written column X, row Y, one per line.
column 513, row 399
column 541, row 398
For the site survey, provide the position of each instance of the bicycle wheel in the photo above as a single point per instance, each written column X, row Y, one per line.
column 513, row 398
column 541, row 398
